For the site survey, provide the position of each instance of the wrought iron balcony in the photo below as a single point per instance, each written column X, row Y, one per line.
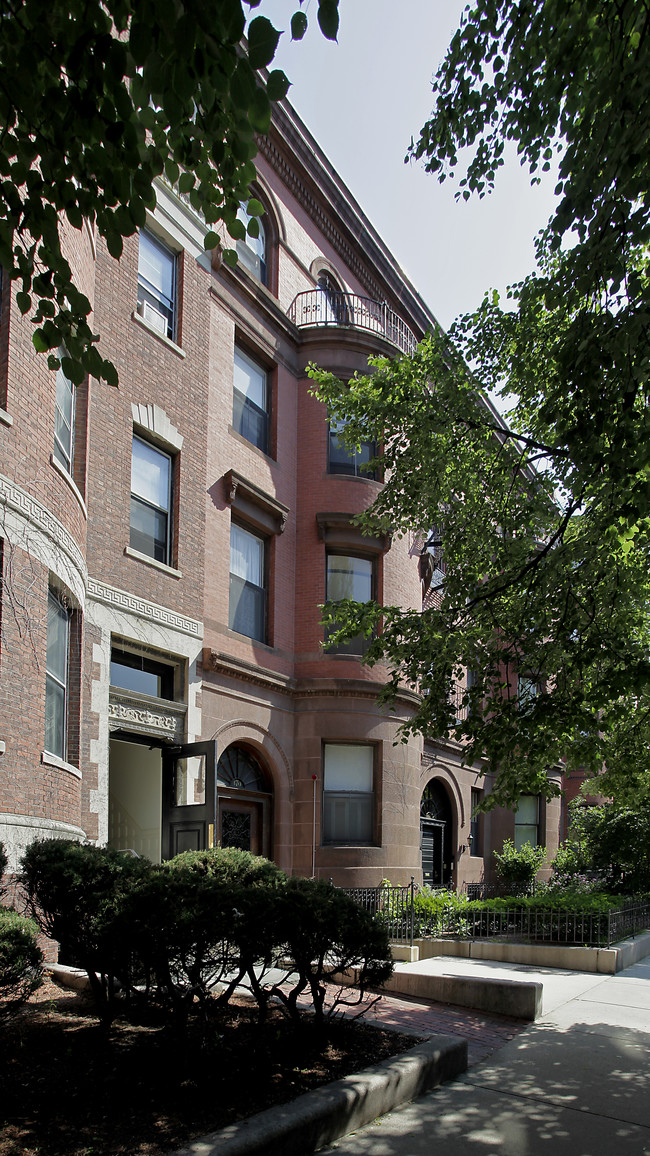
column 318, row 307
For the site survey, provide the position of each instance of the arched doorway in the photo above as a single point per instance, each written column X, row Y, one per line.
column 435, row 835
column 245, row 801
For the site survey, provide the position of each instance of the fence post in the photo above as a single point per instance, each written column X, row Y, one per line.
column 412, row 910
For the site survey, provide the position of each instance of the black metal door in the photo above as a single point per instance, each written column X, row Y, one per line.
column 189, row 802
column 432, row 842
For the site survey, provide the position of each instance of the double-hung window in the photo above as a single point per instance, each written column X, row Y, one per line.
column 56, row 676
column 157, row 284
column 64, row 415
column 251, row 401
column 348, row 793
column 527, row 821
column 151, row 500
column 247, row 612
column 349, row 577
column 344, row 461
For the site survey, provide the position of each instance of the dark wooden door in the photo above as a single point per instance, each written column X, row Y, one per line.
column 188, row 808
column 432, row 842
column 244, row 822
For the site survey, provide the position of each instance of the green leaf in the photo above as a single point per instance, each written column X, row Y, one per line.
column 328, row 18
column 298, row 25
column 114, row 244
column 277, row 85
column 172, row 171
column 185, row 182
column 262, row 42
column 39, row 341
column 211, row 240
column 230, row 257
column 24, row 302
column 109, row 373
column 260, row 111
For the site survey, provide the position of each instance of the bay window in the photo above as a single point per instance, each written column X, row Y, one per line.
column 56, row 676
column 352, row 578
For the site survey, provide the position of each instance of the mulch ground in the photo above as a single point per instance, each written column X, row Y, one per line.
column 68, row 1089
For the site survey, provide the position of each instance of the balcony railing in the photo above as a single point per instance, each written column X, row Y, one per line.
column 347, row 310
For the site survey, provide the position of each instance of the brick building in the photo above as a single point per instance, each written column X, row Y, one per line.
column 166, row 545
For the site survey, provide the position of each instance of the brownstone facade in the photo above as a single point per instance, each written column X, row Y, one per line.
column 167, row 544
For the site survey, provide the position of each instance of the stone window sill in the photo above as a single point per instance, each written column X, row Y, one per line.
column 49, row 760
column 139, row 557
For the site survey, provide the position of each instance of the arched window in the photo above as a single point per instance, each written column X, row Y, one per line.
column 238, row 768
column 252, row 251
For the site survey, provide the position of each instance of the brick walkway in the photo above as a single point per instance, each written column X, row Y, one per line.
column 484, row 1033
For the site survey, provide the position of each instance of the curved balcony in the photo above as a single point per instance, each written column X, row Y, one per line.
column 347, row 310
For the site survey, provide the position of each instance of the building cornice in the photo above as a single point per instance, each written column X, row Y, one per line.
column 292, row 152
column 225, row 664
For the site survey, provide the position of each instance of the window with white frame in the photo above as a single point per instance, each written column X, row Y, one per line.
column 64, row 415
column 151, row 500
column 250, row 416
column 252, row 251
column 527, row 821
column 350, row 577
column 348, row 793
column 56, row 675
column 157, row 284
column 247, row 609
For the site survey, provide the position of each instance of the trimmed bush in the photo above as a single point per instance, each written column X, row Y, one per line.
column 21, row 962
column 326, row 933
column 74, row 891
column 194, row 928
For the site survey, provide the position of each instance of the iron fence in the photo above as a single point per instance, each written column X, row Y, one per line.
column 318, row 307
column 408, row 920
column 498, row 890
column 394, row 905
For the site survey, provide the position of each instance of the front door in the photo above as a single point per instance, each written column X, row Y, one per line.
column 244, row 821
column 188, row 807
column 432, row 837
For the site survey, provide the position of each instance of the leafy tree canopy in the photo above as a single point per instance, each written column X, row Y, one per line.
column 544, row 523
column 97, row 100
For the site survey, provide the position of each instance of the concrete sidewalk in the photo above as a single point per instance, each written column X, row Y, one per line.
column 575, row 1083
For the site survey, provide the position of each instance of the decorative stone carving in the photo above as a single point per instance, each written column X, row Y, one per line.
column 127, row 712
column 161, row 615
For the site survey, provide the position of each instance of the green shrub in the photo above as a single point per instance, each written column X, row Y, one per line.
column 21, row 961
column 229, row 865
column 436, row 912
column 326, row 933
column 519, row 866
column 74, row 892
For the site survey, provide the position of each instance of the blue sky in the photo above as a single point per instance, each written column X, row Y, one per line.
column 363, row 99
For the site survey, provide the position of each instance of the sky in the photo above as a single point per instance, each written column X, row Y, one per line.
column 363, row 99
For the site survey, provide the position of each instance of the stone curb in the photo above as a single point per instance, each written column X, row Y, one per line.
column 321, row 1116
